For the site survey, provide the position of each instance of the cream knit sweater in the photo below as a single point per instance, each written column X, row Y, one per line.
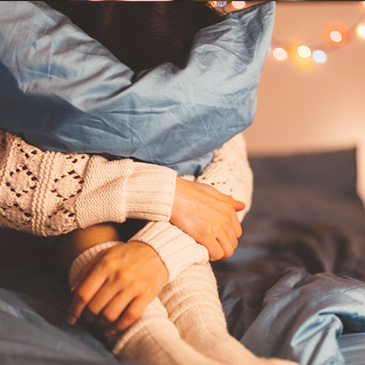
column 52, row 193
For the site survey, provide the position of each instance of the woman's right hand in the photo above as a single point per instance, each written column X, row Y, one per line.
column 208, row 216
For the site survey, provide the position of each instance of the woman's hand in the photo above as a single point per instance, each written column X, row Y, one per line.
column 117, row 285
column 208, row 216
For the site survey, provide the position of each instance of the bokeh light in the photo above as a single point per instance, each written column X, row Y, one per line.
column 319, row 56
column 304, row 51
column 280, row 54
column 336, row 36
column 361, row 31
column 238, row 4
column 221, row 3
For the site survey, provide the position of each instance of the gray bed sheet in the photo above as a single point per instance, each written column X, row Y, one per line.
column 294, row 288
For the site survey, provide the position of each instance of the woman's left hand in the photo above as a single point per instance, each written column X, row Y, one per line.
column 117, row 285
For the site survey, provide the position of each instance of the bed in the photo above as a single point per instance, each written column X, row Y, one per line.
column 293, row 289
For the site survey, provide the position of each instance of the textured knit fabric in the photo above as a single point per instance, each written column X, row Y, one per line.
column 155, row 339
column 229, row 173
column 184, row 325
column 48, row 193
column 51, row 193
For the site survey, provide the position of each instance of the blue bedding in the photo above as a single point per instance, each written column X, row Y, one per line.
column 294, row 288
column 63, row 91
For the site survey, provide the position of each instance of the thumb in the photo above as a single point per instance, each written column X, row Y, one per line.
column 238, row 205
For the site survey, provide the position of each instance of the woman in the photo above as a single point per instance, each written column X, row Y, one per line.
column 115, row 302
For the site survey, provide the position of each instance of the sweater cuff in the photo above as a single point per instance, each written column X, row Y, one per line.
column 149, row 192
column 176, row 249
column 84, row 258
column 116, row 190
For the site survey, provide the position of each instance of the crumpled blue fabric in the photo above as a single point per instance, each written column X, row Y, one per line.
column 63, row 91
column 304, row 315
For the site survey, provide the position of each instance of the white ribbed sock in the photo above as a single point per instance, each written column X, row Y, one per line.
column 193, row 305
column 154, row 338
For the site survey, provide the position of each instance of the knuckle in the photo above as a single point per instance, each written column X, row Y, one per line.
column 229, row 252
column 225, row 221
column 235, row 244
column 109, row 317
column 216, row 255
column 206, row 230
column 81, row 296
column 92, row 309
column 132, row 315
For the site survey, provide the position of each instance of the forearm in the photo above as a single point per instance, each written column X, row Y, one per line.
column 230, row 173
column 49, row 193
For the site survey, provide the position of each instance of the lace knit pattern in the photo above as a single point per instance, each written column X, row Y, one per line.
column 230, row 172
column 52, row 193
column 32, row 181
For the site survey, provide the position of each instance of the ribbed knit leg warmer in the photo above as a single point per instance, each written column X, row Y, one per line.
column 154, row 338
column 193, row 305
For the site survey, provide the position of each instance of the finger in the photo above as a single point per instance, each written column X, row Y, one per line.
column 236, row 226
column 84, row 292
column 206, row 237
column 228, row 241
column 84, row 273
column 99, row 301
column 215, row 250
column 114, row 309
column 238, row 205
column 131, row 315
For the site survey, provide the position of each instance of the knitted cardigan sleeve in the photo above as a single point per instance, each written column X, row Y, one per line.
column 230, row 173
column 51, row 193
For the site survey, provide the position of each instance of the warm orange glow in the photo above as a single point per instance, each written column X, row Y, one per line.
column 304, row 51
column 280, row 54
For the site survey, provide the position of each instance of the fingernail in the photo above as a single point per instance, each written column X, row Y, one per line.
column 71, row 320
column 74, row 287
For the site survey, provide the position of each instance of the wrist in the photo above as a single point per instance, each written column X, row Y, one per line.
column 85, row 257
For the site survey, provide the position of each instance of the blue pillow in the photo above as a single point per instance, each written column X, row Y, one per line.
column 63, row 91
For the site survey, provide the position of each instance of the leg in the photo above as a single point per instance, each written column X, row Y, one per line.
column 154, row 338
column 194, row 307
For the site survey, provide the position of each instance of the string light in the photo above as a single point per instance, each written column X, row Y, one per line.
column 238, row 4
column 319, row 56
column 280, row 54
column 304, row 51
column 337, row 37
column 361, row 31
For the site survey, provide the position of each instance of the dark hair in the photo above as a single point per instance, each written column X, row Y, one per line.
column 141, row 35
